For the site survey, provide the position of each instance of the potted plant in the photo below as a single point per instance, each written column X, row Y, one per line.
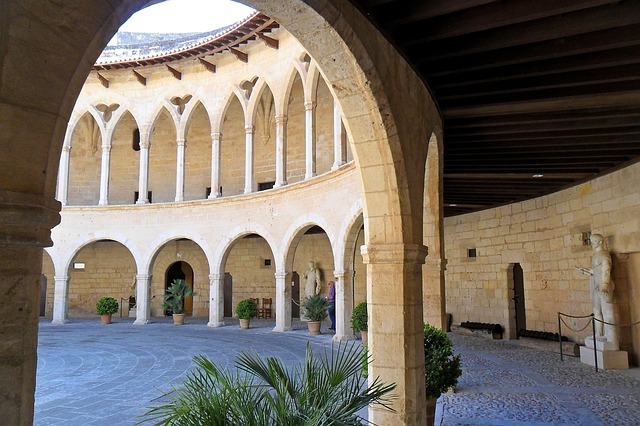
column 359, row 321
column 316, row 309
column 245, row 310
column 174, row 300
column 441, row 367
column 106, row 307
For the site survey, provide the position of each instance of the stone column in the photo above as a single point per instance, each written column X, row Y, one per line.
column 248, row 163
column 216, row 137
column 216, row 300
column 25, row 223
column 394, row 305
column 310, row 139
column 143, row 182
column 283, row 302
column 104, row 174
column 143, row 299
column 339, row 139
column 281, row 150
column 433, row 292
column 344, row 305
column 63, row 174
column 60, row 300
column 180, row 142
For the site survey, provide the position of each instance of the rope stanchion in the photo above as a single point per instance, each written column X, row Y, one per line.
column 562, row 321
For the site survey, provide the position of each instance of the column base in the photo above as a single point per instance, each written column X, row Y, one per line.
column 215, row 324
column 279, row 329
column 141, row 322
column 59, row 322
column 344, row 337
column 607, row 360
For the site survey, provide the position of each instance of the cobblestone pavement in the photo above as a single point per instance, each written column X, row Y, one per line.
column 504, row 383
column 92, row 374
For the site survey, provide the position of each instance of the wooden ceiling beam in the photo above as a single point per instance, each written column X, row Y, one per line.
column 546, row 126
column 488, row 17
column 405, row 12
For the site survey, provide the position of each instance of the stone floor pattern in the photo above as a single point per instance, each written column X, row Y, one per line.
column 92, row 374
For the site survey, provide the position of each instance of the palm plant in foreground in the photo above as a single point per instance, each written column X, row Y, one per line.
column 327, row 389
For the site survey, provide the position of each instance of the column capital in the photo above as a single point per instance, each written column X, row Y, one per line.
column 61, row 278
column 214, row 277
column 281, row 275
column 309, row 105
column 106, row 147
column 66, row 148
column 394, row 253
column 145, row 144
column 26, row 219
column 216, row 136
column 281, row 119
column 143, row 277
column 180, row 141
column 249, row 129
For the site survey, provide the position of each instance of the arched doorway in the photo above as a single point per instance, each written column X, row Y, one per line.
column 181, row 271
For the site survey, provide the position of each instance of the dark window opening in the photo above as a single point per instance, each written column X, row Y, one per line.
column 472, row 252
column 136, row 139
column 263, row 186
column 207, row 192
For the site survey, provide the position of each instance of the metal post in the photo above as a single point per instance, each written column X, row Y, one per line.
column 560, row 336
column 595, row 345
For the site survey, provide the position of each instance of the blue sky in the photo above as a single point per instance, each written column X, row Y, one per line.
column 178, row 16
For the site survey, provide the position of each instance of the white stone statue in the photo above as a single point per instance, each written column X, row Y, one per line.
column 601, row 289
column 312, row 280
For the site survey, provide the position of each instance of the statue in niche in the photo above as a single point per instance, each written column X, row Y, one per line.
column 312, row 280
column 601, row 289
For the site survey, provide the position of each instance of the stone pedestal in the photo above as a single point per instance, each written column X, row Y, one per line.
column 608, row 353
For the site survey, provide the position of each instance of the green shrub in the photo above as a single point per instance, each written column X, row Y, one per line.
column 316, row 307
column 359, row 317
column 107, row 306
column 174, row 297
column 247, row 309
column 441, row 367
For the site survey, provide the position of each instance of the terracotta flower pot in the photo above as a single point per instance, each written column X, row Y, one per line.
column 314, row 327
column 365, row 337
column 178, row 319
column 105, row 319
column 244, row 324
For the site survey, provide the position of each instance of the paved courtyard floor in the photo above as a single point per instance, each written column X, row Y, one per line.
column 92, row 374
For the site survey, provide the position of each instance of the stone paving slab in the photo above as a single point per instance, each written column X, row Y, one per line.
column 93, row 374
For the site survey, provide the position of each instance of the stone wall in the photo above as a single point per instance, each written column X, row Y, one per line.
column 545, row 236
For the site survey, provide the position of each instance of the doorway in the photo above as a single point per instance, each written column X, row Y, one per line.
column 518, row 298
column 228, row 295
column 181, row 271
column 295, row 295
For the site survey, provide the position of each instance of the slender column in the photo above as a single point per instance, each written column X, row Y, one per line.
column 63, row 175
column 104, row 174
column 248, row 163
column 344, row 305
column 310, row 139
column 216, row 137
column 281, row 150
column 394, row 305
column 339, row 138
column 26, row 220
column 216, row 300
column 143, row 299
column 143, row 180
column 283, row 302
column 60, row 300
column 180, row 170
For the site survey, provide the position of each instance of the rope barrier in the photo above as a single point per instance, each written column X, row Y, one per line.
column 617, row 325
column 574, row 329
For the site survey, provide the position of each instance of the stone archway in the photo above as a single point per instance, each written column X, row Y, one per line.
column 386, row 118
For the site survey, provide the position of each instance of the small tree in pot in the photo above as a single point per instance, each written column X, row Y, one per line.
column 441, row 367
column 359, row 321
column 246, row 309
column 316, row 309
column 174, row 299
column 106, row 307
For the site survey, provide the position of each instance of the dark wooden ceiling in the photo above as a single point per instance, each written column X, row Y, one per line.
column 525, row 88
